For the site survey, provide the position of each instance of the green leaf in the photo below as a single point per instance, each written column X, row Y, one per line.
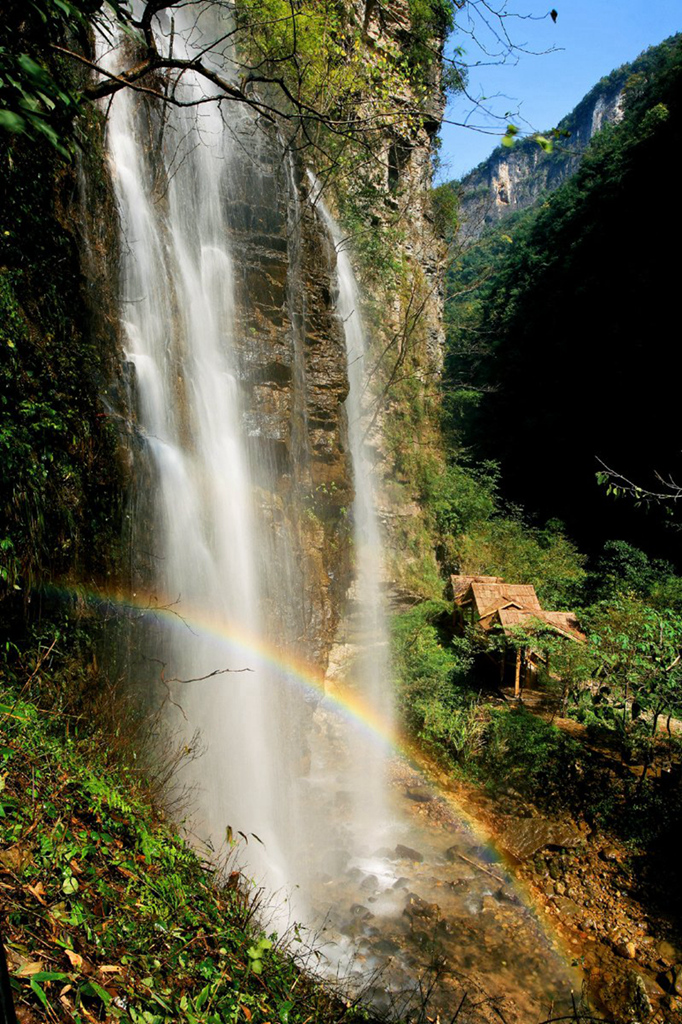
column 202, row 997
column 508, row 137
column 40, row 993
column 91, row 988
column 12, row 122
column 283, row 1010
column 70, row 885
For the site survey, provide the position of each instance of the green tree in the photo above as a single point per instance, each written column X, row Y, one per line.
column 636, row 652
column 520, row 553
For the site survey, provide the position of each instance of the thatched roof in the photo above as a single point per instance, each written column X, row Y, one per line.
column 566, row 622
column 461, row 584
column 491, row 593
column 509, row 605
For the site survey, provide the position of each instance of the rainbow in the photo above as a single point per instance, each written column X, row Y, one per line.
column 245, row 646
column 296, row 671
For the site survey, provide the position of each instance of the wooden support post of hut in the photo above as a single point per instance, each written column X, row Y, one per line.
column 517, row 675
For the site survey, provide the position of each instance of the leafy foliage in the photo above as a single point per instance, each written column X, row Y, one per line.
column 58, row 475
column 40, row 95
column 518, row 552
column 636, row 654
column 623, row 570
column 33, row 100
column 531, row 756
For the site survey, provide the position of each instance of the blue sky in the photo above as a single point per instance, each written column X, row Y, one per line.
column 590, row 37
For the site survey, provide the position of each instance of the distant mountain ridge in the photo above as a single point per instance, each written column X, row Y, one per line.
column 514, row 178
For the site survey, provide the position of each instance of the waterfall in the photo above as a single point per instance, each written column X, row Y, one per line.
column 371, row 670
column 214, row 543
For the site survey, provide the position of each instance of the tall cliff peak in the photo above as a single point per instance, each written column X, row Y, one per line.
column 512, row 179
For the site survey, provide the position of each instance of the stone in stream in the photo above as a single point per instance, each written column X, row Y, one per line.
column 567, row 908
column 671, row 981
column 666, row 951
column 357, row 910
column 407, row 853
column 555, row 871
column 415, row 906
column 387, row 947
column 638, row 1003
column 525, row 836
column 401, row 883
column 505, row 896
column 353, row 929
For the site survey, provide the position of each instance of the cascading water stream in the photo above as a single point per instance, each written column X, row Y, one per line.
column 179, row 321
column 371, row 669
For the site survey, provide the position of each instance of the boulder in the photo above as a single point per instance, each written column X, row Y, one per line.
column 420, row 794
column 624, row 947
column 357, row 910
column 415, row 906
column 525, row 836
column 667, row 951
column 566, row 908
column 638, row 1002
column 671, row 981
column 386, row 946
column 407, row 853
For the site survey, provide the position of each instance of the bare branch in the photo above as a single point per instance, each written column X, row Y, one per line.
column 621, row 484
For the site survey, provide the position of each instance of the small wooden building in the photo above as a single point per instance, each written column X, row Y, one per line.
column 488, row 602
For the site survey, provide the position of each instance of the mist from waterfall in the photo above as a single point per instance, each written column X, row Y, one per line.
column 205, row 543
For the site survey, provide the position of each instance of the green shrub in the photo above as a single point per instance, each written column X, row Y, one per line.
column 531, row 756
column 510, row 548
column 435, row 700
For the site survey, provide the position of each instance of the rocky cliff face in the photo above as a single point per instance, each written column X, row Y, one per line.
column 403, row 311
column 294, row 383
column 293, row 376
column 514, row 178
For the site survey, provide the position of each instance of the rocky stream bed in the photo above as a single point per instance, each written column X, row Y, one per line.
column 587, row 889
column 483, row 910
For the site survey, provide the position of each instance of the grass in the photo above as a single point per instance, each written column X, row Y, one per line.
column 107, row 915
